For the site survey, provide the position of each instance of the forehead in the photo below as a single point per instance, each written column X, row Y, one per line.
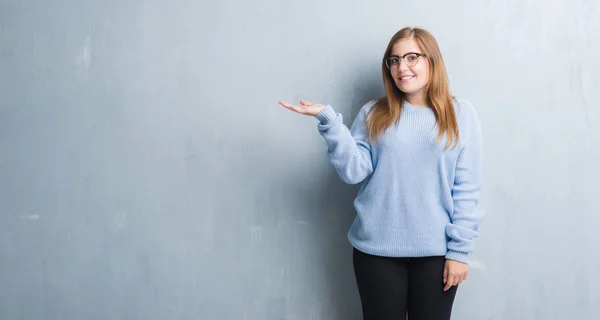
column 404, row 46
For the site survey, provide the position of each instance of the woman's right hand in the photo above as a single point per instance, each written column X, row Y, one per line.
column 305, row 107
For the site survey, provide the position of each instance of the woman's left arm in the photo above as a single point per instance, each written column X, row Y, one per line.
column 466, row 215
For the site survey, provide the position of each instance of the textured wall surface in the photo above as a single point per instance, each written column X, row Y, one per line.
column 147, row 172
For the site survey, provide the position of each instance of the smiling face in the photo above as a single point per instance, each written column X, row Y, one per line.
column 411, row 80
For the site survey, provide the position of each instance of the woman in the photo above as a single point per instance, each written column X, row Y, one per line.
column 417, row 152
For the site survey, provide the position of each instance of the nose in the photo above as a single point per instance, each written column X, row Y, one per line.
column 403, row 66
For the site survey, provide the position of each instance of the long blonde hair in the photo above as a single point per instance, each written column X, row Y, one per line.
column 387, row 110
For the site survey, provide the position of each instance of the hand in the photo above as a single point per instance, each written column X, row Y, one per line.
column 454, row 273
column 305, row 107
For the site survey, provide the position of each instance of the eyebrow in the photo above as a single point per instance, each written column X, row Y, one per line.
column 401, row 55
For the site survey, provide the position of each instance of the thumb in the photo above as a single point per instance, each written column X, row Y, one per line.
column 305, row 103
column 445, row 273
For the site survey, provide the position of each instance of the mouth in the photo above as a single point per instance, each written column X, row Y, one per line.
column 406, row 78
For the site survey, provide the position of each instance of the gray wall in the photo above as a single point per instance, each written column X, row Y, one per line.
column 147, row 172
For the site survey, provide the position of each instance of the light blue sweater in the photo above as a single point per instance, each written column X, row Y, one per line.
column 416, row 199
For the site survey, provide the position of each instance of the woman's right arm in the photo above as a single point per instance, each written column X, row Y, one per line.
column 349, row 150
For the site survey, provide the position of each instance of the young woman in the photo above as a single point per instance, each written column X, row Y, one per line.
column 418, row 153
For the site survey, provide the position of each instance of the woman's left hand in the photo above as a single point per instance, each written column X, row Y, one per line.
column 454, row 273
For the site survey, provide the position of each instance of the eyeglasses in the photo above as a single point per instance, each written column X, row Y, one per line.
column 410, row 59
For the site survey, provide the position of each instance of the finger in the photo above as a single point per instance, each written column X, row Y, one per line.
column 290, row 106
column 456, row 282
column 449, row 282
column 287, row 105
column 466, row 275
column 445, row 274
column 305, row 103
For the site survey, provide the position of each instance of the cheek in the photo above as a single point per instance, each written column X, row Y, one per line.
column 423, row 74
column 421, row 70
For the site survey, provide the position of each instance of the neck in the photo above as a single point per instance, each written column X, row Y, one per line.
column 417, row 100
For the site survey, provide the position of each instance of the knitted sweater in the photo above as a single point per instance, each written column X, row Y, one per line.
column 416, row 199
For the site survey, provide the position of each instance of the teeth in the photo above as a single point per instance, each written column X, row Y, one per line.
column 408, row 77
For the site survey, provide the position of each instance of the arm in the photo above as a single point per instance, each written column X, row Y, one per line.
column 466, row 215
column 349, row 151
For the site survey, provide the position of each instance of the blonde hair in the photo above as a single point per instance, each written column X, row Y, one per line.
column 387, row 109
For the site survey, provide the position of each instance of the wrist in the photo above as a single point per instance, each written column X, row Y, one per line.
column 326, row 115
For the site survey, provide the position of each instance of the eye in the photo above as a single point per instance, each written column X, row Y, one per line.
column 394, row 60
column 412, row 57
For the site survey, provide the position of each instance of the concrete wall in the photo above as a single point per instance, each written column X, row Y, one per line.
column 147, row 172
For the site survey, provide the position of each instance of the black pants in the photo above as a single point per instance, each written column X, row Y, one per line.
column 390, row 288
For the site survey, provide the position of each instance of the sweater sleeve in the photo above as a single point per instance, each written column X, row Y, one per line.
column 466, row 215
column 348, row 150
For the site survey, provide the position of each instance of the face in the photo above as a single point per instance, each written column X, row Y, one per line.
column 409, row 79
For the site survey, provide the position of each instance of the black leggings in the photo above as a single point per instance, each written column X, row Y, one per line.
column 390, row 288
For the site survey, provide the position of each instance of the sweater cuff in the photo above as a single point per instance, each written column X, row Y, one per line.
column 458, row 256
column 327, row 115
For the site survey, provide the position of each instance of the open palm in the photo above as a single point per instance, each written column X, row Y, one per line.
column 305, row 107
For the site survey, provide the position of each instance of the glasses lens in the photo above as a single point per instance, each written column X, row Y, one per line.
column 392, row 62
column 411, row 59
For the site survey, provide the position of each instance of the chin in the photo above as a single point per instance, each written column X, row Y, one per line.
column 406, row 90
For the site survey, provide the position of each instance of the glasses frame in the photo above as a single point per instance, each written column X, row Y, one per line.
column 385, row 60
